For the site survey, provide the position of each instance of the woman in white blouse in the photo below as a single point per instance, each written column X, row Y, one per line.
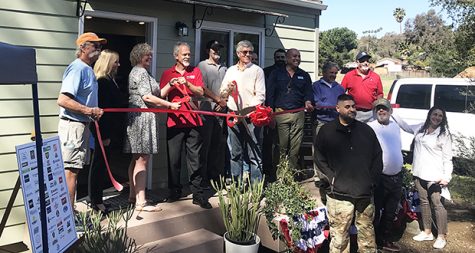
column 432, row 169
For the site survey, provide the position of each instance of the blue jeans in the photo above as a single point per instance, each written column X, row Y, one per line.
column 245, row 148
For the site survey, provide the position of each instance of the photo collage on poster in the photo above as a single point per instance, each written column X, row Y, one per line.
column 60, row 218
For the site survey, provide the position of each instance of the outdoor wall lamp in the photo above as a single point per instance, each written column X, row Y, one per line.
column 182, row 29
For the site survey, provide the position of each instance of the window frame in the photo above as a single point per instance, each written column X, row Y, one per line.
column 231, row 28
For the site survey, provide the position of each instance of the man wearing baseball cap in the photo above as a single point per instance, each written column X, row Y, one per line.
column 214, row 131
column 364, row 85
column 389, row 187
column 78, row 107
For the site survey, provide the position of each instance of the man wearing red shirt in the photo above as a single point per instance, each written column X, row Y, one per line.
column 184, row 128
column 364, row 85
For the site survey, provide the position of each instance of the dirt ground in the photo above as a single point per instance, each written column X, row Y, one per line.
column 460, row 238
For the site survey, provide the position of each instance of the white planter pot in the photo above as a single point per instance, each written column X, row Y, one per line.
column 231, row 247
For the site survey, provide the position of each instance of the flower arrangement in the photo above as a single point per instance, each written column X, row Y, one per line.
column 288, row 205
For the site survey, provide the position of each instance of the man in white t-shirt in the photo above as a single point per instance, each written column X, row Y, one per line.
column 388, row 190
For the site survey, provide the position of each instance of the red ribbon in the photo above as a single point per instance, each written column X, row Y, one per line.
column 262, row 116
column 116, row 184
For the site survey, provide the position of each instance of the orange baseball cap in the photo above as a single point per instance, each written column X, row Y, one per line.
column 91, row 37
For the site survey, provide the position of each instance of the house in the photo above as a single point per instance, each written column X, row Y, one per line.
column 392, row 65
column 52, row 26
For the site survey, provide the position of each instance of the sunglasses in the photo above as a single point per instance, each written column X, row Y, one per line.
column 246, row 52
column 96, row 45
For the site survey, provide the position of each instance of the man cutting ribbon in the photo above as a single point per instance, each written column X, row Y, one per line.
column 184, row 128
column 246, row 81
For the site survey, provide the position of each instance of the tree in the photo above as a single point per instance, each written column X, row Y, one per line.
column 399, row 14
column 463, row 16
column 336, row 44
column 428, row 38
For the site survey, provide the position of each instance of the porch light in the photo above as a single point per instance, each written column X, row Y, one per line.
column 181, row 28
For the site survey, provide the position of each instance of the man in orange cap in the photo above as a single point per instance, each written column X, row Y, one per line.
column 78, row 107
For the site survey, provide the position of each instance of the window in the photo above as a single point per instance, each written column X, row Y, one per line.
column 227, row 34
column 414, row 96
column 470, row 108
column 453, row 98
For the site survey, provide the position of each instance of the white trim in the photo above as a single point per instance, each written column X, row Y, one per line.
column 151, row 38
column 302, row 3
column 231, row 28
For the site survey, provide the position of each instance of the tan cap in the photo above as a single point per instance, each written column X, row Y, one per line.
column 89, row 37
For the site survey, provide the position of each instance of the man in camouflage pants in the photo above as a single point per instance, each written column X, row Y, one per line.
column 349, row 155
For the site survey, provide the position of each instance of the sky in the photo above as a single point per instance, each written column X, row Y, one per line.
column 365, row 15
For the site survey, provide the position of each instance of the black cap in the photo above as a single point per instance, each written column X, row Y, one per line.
column 362, row 54
column 214, row 44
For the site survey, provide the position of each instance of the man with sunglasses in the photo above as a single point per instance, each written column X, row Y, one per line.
column 78, row 107
column 364, row 85
column 244, row 87
column 389, row 187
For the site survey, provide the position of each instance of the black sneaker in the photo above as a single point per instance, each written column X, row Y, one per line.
column 203, row 203
column 390, row 246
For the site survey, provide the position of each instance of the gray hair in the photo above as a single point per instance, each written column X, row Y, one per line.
column 177, row 46
column 78, row 49
column 244, row 43
column 328, row 65
column 138, row 52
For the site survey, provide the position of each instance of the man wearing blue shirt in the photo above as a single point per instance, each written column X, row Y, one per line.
column 78, row 107
column 290, row 88
column 325, row 94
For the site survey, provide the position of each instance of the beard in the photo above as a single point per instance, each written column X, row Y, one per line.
column 382, row 118
column 349, row 117
column 94, row 54
column 185, row 63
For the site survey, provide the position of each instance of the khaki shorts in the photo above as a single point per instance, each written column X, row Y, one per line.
column 74, row 137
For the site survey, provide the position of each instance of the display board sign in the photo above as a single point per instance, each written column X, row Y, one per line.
column 59, row 214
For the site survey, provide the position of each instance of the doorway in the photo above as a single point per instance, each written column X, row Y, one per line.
column 122, row 32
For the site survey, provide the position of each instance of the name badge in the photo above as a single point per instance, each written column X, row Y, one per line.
column 300, row 77
column 190, row 77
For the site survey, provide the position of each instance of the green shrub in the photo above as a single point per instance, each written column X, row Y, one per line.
column 106, row 236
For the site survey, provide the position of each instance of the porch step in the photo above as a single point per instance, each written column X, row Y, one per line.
column 197, row 241
column 176, row 219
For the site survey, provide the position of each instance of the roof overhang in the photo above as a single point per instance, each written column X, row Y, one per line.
column 313, row 4
column 231, row 7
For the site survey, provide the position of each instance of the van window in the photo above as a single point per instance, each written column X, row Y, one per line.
column 470, row 99
column 452, row 98
column 414, row 96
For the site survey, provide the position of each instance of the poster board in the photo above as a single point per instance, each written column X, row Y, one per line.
column 61, row 231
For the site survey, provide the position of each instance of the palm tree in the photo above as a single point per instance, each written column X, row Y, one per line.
column 399, row 14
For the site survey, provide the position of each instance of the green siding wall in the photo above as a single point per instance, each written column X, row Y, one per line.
column 50, row 26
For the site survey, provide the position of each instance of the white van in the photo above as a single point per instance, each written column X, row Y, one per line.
column 413, row 97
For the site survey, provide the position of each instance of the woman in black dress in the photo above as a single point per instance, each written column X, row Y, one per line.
column 109, row 96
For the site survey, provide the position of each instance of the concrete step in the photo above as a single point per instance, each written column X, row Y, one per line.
column 175, row 219
column 197, row 241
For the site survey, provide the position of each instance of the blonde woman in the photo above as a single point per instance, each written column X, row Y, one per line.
column 142, row 137
column 109, row 96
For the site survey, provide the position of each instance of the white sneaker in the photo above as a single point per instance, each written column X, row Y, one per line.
column 422, row 236
column 440, row 243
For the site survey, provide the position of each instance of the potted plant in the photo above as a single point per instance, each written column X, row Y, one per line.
column 291, row 212
column 241, row 210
